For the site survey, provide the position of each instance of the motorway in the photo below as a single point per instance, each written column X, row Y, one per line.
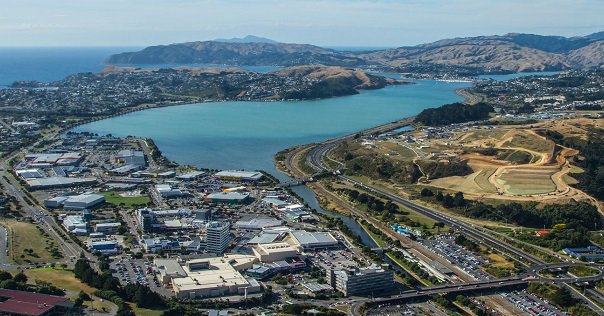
column 315, row 158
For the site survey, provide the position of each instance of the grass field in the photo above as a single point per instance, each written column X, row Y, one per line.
column 527, row 181
column 582, row 271
column 116, row 199
column 145, row 312
column 28, row 244
column 485, row 133
column 65, row 279
column 396, row 151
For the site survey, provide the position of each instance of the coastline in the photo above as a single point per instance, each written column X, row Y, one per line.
column 468, row 97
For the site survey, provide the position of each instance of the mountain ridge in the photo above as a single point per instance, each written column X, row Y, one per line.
column 512, row 52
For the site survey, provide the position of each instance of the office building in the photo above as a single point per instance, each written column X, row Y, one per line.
column 107, row 228
column 361, row 281
column 218, row 237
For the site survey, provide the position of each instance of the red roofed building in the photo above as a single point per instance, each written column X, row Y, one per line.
column 32, row 304
column 543, row 232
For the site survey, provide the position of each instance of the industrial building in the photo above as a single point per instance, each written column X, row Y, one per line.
column 29, row 173
column 304, row 240
column 236, row 175
column 55, row 202
column 361, row 281
column 215, row 277
column 166, row 191
column 57, row 182
column 75, row 224
column 83, row 201
column 191, row 176
column 229, row 197
column 218, row 237
column 591, row 253
column 131, row 157
column 48, row 160
column 257, row 223
column 274, row 252
column 107, row 228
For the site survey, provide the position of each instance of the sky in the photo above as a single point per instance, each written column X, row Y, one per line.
column 369, row 23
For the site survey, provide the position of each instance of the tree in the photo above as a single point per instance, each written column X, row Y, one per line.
column 20, row 277
column 459, row 199
column 9, row 284
column 5, row 276
column 426, row 192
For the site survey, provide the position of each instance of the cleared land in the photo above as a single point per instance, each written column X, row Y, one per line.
column 528, row 181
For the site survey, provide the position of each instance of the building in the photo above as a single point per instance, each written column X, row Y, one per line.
column 105, row 247
column 168, row 269
column 274, row 252
column 265, row 270
column 131, row 157
column 55, row 202
column 107, row 228
column 304, row 240
column 235, row 175
column 48, row 160
column 218, row 237
column 257, row 223
column 591, row 253
column 83, row 201
column 75, row 224
column 155, row 245
column 191, row 176
column 146, row 219
column 32, row 304
column 361, row 281
column 57, row 182
column 29, row 173
column 166, row 191
column 215, row 277
column 229, row 197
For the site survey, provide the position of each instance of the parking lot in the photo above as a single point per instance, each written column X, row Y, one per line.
column 130, row 271
column 532, row 305
column 337, row 259
column 445, row 246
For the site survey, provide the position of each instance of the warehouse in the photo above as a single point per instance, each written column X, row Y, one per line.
column 191, row 176
column 229, row 197
column 235, row 175
column 311, row 240
column 75, row 224
column 166, row 191
column 29, row 173
column 55, row 202
column 131, row 157
column 57, row 182
column 83, row 201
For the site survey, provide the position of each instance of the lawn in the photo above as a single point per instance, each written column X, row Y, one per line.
column 145, row 312
column 65, row 279
column 582, row 271
column 28, row 244
column 116, row 199
column 378, row 240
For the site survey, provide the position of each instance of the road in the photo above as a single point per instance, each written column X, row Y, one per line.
column 315, row 158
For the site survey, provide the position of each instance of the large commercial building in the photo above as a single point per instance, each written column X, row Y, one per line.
column 131, row 157
column 218, row 237
column 361, row 281
column 168, row 192
column 305, row 240
column 48, row 160
column 274, row 252
column 215, row 277
column 57, row 182
column 257, row 223
column 235, row 175
column 229, row 197
column 83, row 201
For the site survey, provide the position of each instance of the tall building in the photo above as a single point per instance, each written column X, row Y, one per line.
column 218, row 237
column 145, row 218
column 361, row 281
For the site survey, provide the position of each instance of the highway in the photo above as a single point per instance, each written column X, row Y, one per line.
column 315, row 158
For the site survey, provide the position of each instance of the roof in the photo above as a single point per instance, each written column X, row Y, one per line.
column 257, row 222
column 265, row 238
column 29, row 173
column 85, row 198
column 313, row 238
column 27, row 303
column 228, row 196
column 249, row 175
column 57, row 181
column 108, row 225
column 169, row 267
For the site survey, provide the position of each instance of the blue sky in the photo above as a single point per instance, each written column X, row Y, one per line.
column 327, row 23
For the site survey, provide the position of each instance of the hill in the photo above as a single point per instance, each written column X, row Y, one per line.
column 246, row 39
column 236, row 53
column 507, row 53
